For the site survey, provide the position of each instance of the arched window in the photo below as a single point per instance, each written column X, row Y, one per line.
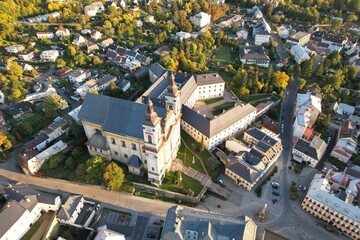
column 98, row 131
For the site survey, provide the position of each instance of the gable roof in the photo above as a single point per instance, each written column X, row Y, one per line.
column 69, row 207
column 115, row 115
column 245, row 172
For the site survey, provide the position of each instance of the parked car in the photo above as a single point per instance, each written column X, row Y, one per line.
column 152, row 236
column 123, row 217
column 276, row 194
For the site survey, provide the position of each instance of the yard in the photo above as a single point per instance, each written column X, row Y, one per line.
column 211, row 164
column 213, row 100
column 182, row 187
column 222, row 55
column 225, row 106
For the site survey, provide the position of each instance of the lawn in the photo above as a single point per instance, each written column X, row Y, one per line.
column 213, row 100
column 222, row 55
column 183, row 186
column 187, row 157
column 256, row 97
column 211, row 164
column 225, row 106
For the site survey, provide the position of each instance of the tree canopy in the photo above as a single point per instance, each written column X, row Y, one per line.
column 53, row 104
column 113, row 176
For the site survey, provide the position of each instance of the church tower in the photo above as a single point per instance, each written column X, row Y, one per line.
column 172, row 97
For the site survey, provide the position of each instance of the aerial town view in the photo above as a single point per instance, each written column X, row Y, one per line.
column 179, row 119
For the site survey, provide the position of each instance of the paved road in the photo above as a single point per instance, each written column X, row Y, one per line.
column 294, row 224
column 95, row 192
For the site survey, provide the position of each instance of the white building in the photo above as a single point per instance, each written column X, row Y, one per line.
column 2, row 97
column 334, row 199
column 35, row 163
column 309, row 152
column 44, row 92
column 94, row 8
column 23, row 208
column 283, row 32
column 344, row 149
column 261, row 32
column 308, row 107
column 15, row 48
column 78, row 40
column 124, row 85
column 208, row 130
column 106, row 234
column 201, row 19
column 41, row 35
column 183, row 35
column 242, row 33
column 107, row 42
column 49, row 55
column 299, row 54
column 79, row 75
column 71, row 209
column 84, row 88
column 147, row 138
column 62, row 32
column 95, row 34
column 257, row 13
column 344, row 109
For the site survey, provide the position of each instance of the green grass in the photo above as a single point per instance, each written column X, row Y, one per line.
column 222, row 55
column 213, row 100
column 256, row 97
column 33, row 229
column 187, row 157
column 205, row 156
column 183, row 186
column 225, row 106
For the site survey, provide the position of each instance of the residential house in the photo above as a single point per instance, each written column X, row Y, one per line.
column 299, row 38
column 49, row 55
column 151, row 134
column 95, row 34
column 121, row 3
column 15, row 48
column 62, row 32
column 71, row 209
column 46, row 90
column 162, row 51
column 63, row 71
column 94, row 8
column 183, row 35
column 26, row 56
column 334, row 199
column 41, row 35
column 124, row 85
column 201, row 19
column 34, row 164
column 2, row 97
column 299, row 54
column 24, row 206
column 308, row 107
column 271, row 128
column 242, row 33
column 105, row 82
column 20, row 110
column 283, row 32
column 229, row 21
column 343, row 109
column 257, row 13
column 254, row 55
column 79, row 75
column 107, row 42
column 186, row 223
column 344, row 149
column 78, row 40
column 309, row 152
column 85, row 88
column 261, row 32
column 106, row 234
column 2, row 119
column 91, row 47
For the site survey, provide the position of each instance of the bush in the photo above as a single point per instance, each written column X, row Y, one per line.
column 258, row 191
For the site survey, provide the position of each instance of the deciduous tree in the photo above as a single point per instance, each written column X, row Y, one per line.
column 113, row 176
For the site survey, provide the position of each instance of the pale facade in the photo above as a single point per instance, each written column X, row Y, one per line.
column 151, row 135
column 201, row 19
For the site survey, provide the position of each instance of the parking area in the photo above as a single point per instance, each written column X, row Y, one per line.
column 118, row 218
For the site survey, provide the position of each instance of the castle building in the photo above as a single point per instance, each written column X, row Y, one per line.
column 143, row 136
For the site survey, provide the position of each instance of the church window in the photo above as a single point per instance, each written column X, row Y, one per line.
column 116, row 153
column 125, row 156
column 153, row 169
column 113, row 141
column 133, row 146
column 149, row 139
column 123, row 144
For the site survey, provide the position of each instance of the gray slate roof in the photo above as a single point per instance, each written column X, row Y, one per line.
column 210, row 128
column 69, row 207
column 9, row 215
column 210, row 78
column 305, row 147
column 115, row 115
column 36, row 141
column 243, row 171
column 253, row 53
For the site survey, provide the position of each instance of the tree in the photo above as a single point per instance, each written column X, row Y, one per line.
column 281, row 79
column 71, row 51
column 94, row 169
column 302, row 83
column 168, row 63
column 5, row 143
column 113, row 176
column 52, row 104
column 56, row 160
column 15, row 70
column 178, row 178
column 60, row 63
column 25, row 129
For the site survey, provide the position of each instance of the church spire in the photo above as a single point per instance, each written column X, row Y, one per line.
column 151, row 116
column 172, row 88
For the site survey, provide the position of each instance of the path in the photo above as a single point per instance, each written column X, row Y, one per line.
column 202, row 178
column 188, row 148
column 94, row 192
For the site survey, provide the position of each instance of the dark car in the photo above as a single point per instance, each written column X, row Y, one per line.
column 276, row 194
column 152, row 236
